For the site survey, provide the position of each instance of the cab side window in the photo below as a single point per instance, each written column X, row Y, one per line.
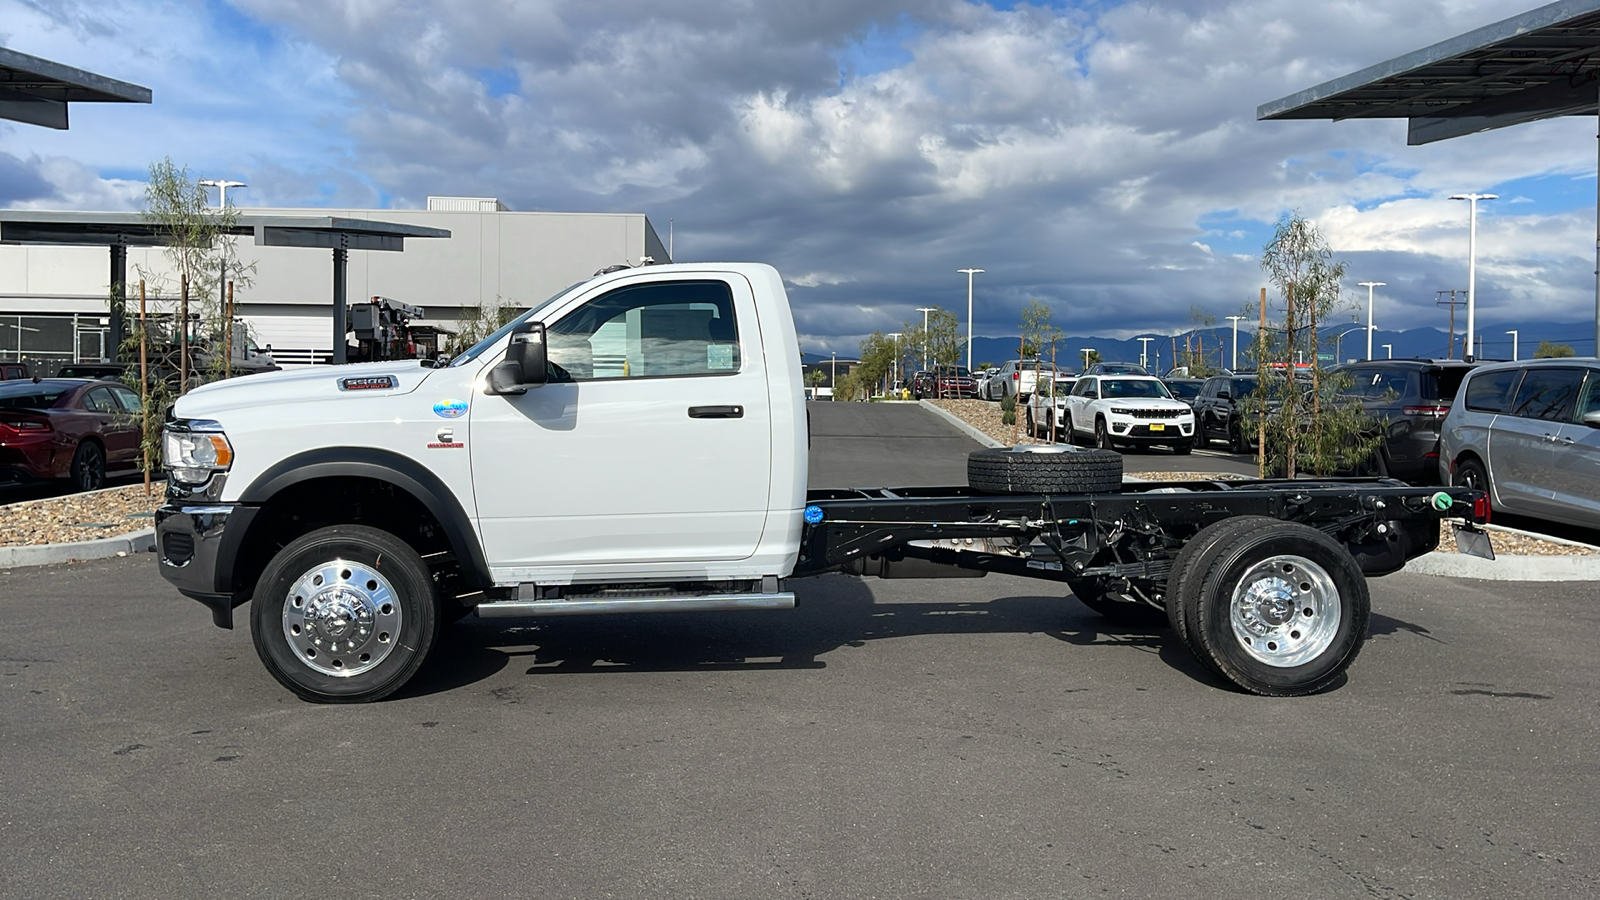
column 665, row 330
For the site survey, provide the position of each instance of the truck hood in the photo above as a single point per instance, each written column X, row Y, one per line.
column 291, row 385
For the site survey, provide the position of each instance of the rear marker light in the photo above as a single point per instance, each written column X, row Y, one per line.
column 1438, row 411
column 1480, row 508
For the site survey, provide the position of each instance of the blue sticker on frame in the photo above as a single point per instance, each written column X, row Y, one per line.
column 450, row 409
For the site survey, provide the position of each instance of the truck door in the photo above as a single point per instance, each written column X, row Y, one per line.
column 653, row 442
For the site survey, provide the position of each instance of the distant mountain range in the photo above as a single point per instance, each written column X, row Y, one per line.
column 1412, row 343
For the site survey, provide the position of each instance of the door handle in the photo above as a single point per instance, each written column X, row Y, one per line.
column 716, row 412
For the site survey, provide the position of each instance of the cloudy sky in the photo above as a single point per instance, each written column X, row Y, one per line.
column 1103, row 157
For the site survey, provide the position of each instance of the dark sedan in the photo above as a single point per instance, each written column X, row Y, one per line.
column 68, row 428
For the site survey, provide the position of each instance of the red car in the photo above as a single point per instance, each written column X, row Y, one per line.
column 68, row 428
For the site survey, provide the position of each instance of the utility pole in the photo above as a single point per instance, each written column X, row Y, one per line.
column 1450, row 348
column 1513, row 333
column 1144, row 351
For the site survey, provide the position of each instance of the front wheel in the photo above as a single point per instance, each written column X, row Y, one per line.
column 1102, row 436
column 345, row 614
column 1033, row 428
column 1278, row 608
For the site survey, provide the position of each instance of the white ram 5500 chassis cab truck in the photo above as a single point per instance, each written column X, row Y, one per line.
column 638, row 443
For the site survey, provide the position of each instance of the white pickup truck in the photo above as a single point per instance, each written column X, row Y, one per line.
column 638, row 443
column 1128, row 409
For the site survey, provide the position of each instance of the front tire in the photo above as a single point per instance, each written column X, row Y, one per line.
column 345, row 614
column 1102, row 436
column 1277, row 608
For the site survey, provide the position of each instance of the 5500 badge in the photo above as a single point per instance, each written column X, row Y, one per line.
column 450, row 409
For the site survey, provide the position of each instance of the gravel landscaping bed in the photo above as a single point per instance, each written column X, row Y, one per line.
column 79, row 517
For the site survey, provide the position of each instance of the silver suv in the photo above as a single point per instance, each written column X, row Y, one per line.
column 1528, row 433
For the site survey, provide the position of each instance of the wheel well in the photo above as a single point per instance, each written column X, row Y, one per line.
column 340, row 500
column 1462, row 457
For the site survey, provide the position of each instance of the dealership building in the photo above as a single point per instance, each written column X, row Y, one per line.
column 457, row 254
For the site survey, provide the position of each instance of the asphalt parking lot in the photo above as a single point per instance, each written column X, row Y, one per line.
column 964, row 738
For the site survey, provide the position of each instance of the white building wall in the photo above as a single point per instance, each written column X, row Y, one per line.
column 518, row 258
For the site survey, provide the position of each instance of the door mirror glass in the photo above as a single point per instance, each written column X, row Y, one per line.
column 1223, row 394
column 1591, row 419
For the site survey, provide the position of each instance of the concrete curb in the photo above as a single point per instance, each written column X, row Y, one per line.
column 966, row 429
column 100, row 548
column 1507, row 568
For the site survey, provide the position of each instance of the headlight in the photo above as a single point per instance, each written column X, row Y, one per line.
column 192, row 450
column 1122, row 412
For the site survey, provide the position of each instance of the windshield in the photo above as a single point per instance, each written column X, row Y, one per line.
column 472, row 353
column 1184, row 390
column 1131, row 387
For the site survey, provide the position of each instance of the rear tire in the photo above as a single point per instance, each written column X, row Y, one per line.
column 1277, row 608
column 89, row 467
column 345, row 614
column 1044, row 469
column 1471, row 474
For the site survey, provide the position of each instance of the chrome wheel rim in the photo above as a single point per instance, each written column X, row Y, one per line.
column 1285, row 611
column 341, row 618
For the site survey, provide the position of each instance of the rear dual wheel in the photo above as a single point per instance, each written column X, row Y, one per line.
column 1277, row 608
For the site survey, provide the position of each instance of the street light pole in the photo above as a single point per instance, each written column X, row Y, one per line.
column 1472, row 261
column 926, row 338
column 222, row 185
column 1144, row 352
column 896, row 376
column 1086, row 352
column 1236, row 340
column 1388, row 350
column 1369, row 285
column 969, row 274
column 1513, row 333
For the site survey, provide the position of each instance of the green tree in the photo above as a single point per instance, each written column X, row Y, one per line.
column 186, row 329
column 1298, row 410
column 1549, row 350
column 1200, row 358
column 478, row 322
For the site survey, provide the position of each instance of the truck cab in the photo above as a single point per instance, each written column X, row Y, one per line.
column 661, row 442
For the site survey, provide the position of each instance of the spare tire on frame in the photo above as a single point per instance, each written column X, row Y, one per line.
column 1045, row 469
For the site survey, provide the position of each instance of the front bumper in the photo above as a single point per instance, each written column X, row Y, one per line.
column 197, row 546
column 1164, row 431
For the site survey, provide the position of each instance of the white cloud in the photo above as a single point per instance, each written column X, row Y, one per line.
column 1104, row 159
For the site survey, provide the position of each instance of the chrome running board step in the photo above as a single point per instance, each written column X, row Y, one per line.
column 501, row 609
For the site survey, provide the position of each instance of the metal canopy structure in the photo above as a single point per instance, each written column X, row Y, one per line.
column 1538, row 65
column 37, row 91
column 119, row 231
